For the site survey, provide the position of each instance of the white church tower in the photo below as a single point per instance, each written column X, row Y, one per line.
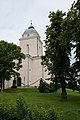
column 32, row 70
column 31, row 46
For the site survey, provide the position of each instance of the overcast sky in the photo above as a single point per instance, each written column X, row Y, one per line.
column 15, row 16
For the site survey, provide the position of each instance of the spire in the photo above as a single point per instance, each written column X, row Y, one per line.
column 31, row 22
column 31, row 26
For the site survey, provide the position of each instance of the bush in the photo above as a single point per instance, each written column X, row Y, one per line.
column 46, row 88
column 7, row 112
column 51, row 115
column 42, row 114
column 54, row 87
column 21, row 111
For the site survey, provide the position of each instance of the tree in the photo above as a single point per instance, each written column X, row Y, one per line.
column 73, row 34
column 10, row 61
column 76, row 33
column 57, row 49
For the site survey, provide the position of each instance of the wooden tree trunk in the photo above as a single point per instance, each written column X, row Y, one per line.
column 63, row 87
column 64, row 93
column 2, row 85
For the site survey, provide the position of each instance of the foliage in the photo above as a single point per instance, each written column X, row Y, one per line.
column 54, row 87
column 22, row 111
column 10, row 60
column 43, row 87
column 57, row 49
column 73, row 34
column 66, row 109
column 63, row 38
column 48, row 88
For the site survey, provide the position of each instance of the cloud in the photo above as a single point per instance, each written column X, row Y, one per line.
column 15, row 16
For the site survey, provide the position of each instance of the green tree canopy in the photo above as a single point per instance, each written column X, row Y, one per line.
column 10, row 60
column 74, row 16
column 73, row 34
column 57, row 49
column 63, row 36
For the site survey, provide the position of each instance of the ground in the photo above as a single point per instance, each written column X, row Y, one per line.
column 67, row 109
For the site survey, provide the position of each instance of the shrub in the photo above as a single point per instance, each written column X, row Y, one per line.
column 51, row 115
column 42, row 114
column 54, row 87
column 46, row 88
column 22, row 111
column 7, row 112
column 43, row 87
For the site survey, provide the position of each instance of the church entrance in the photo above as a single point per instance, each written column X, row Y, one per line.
column 18, row 81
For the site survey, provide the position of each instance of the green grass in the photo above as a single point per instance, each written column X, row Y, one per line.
column 69, row 109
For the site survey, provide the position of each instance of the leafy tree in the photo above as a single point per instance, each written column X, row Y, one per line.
column 10, row 61
column 76, row 33
column 63, row 36
column 57, row 49
column 73, row 34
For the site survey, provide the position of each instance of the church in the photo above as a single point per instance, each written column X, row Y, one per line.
column 32, row 70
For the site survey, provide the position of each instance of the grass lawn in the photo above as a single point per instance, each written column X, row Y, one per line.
column 69, row 109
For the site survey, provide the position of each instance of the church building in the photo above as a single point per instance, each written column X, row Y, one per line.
column 32, row 46
column 32, row 70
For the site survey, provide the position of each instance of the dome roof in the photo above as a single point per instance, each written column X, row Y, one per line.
column 30, row 30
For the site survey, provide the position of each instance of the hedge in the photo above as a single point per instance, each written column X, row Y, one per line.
column 22, row 111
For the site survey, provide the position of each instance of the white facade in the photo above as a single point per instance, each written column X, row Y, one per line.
column 32, row 70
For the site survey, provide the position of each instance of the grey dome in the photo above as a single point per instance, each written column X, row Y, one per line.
column 30, row 30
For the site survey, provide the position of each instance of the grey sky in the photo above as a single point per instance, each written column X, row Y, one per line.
column 15, row 16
